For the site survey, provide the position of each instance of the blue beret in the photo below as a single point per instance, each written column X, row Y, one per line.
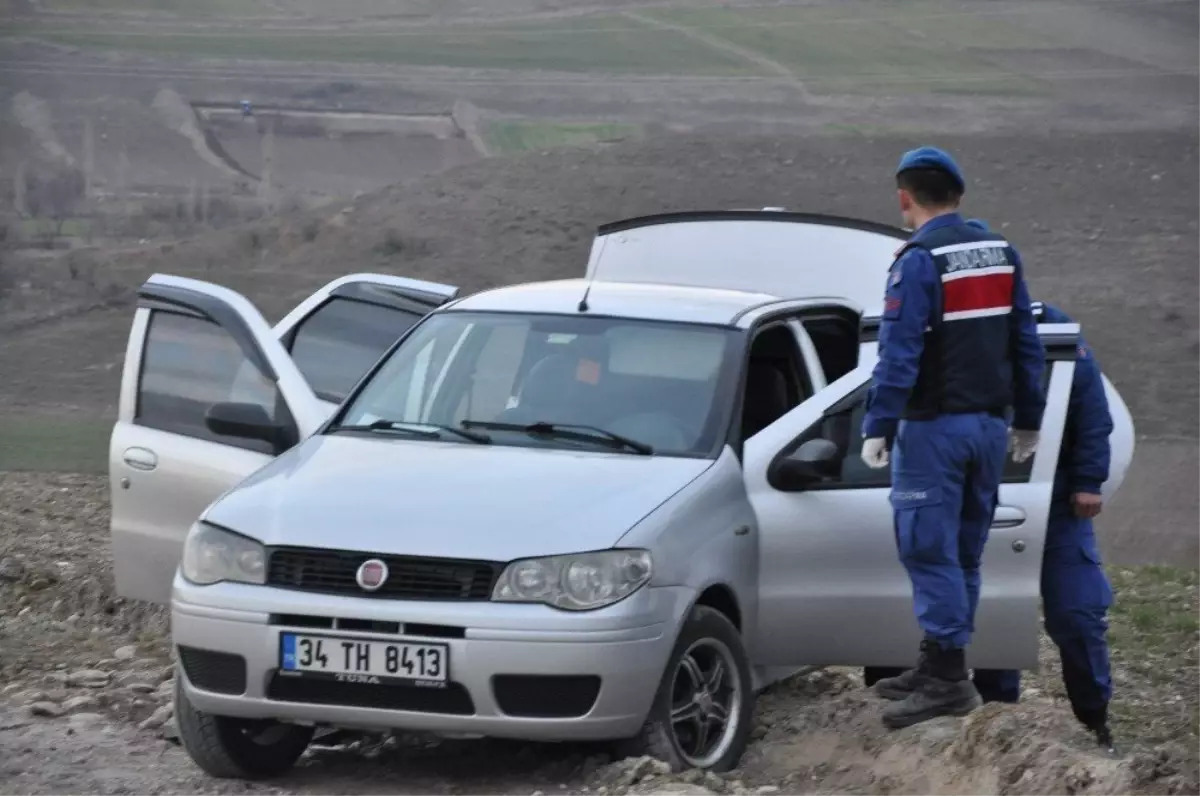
column 979, row 223
column 929, row 157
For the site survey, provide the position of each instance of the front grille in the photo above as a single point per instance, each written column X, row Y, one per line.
column 409, row 578
column 370, row 626
column 545, row 696
column 453, row 699
column 221, row 672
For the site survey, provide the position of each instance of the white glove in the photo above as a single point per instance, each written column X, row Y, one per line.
column 1023, row 444
column 875, row 453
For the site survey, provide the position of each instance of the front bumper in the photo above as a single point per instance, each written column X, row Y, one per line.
column 624, row 646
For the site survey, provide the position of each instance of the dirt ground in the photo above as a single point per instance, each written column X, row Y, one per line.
column 87, row 681
column 1093, row 176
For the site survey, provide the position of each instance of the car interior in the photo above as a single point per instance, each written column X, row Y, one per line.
column 776, row 381
column 837, row 343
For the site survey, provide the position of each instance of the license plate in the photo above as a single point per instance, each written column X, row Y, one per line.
column 356, row 660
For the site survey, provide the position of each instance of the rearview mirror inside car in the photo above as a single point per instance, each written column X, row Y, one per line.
column 248, row 421
column 813, row 461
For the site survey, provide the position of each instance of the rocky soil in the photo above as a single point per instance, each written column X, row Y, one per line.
column 87, row 682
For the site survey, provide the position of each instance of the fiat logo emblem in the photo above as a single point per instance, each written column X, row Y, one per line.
column 372, row 574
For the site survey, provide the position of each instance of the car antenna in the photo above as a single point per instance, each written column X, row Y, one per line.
column 583, row 304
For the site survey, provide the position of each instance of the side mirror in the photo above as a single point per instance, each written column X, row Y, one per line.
column 811, row 462
column 248, row 421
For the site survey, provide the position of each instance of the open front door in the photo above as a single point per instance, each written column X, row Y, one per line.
column 193, row 344
column 832, row 590
column 790, row 255
column 336, row 334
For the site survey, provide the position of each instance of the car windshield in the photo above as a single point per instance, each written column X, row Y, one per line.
column 561, row 381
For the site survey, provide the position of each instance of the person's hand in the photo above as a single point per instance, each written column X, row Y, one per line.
column 1022, row 443
column 875, row 453
column 1087, row 505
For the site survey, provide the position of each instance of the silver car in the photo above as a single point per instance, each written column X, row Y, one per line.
column 609, row 508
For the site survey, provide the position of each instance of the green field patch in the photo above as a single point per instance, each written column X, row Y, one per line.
column 875, row 48
column 48, row 227
column 58, row 443
column 183, row 8
column 1154, row 632
column 511, row 136
column 585, row 44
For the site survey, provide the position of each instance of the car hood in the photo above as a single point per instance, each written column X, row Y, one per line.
column 409, row 497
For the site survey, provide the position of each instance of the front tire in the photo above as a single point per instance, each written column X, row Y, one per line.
column 233, row 748
column 704, row 708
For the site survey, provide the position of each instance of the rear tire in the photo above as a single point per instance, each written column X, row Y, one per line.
column 228, row 747
column 707, row 684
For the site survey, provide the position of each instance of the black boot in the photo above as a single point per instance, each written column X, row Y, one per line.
column 1096, row 720
column 899, row 687
column 943, row 689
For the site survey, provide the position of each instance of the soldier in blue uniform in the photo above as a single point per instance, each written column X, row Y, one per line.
column 1076, row 594
column 958, row 346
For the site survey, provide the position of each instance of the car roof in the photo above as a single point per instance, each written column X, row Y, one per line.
column 640, row 300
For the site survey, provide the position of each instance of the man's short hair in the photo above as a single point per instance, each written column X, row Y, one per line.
column 930, row 187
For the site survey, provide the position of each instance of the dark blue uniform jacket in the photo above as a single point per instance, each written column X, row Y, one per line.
column 1084, row 459
column 957, row 333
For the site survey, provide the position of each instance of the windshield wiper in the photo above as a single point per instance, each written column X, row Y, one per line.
column 427, row 430
column 577, row 431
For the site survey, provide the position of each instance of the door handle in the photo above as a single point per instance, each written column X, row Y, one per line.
column 140, row 458
column 1008, row 517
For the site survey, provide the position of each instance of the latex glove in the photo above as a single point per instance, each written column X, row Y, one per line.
column 875, row 453
column 1022, row 443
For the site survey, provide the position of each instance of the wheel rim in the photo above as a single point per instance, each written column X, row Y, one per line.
column 706, row 702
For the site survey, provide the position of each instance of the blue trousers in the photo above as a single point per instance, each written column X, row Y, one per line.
column 945, row 481
column 1076, row 597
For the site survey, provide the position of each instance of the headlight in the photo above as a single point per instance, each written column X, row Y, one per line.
column 212, row 555
column 579, row 582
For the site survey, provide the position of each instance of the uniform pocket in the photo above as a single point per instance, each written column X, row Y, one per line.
column 1090, row 551
column 918, row 518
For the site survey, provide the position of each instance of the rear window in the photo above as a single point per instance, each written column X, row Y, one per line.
column 340, row 342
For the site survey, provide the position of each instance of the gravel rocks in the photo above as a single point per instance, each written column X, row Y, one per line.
column 158, row 718
column 46, row 709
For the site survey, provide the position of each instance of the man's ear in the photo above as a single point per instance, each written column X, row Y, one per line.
column 906, row 200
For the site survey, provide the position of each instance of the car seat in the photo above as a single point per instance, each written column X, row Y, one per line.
column 766, row 397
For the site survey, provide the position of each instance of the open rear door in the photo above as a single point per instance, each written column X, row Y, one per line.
column 336, row 334
column 790, row 255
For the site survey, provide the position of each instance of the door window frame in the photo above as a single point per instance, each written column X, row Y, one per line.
column 281, row 412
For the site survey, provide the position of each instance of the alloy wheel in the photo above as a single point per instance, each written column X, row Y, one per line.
column 706, row 701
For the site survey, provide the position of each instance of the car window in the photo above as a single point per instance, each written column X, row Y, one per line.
column 659, row 383
column 190, row 363
column 337, row 344
column 844, row 428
